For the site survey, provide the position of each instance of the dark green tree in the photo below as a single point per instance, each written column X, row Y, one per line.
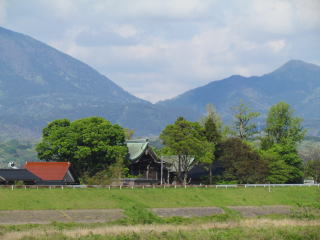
column 213, row 134
column 186, row 140
column 240, row 163
column 244, row 128
column 90, row 144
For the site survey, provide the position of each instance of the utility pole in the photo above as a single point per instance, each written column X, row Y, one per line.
column 161, row 171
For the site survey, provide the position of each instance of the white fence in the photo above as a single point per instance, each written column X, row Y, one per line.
column 225, row 186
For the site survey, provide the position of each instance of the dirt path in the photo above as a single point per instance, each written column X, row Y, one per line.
column 48, row 216
column 187, row 211
column 252, row 211
column 106, row 215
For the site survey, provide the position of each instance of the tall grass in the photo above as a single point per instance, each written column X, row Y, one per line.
column 246, row 229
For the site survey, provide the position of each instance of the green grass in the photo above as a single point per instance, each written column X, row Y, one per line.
column 32, row 199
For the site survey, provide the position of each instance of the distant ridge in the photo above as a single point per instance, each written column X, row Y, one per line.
column 39, row 84
column 296, row 82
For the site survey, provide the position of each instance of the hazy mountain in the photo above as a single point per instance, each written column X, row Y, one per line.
column 296, row 82
column 39, row 84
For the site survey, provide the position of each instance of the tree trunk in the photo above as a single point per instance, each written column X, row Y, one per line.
column 185, row 178
column 210, row 174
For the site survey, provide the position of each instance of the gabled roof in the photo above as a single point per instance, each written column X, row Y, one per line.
column 137, row 148
column 50, row 171
column 7, row 175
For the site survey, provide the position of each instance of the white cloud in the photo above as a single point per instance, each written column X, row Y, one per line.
column 3, row 12
column 125, row 30
column 62, row 8
column 276, row 45
column 308, row 13
column 172, row 9
column 157, row 49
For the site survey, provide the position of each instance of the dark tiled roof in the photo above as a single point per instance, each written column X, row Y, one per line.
column 48, row 171
column 17, row 175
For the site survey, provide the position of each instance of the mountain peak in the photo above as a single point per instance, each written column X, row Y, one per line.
column 296, row 65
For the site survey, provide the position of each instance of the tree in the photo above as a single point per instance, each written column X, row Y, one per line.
column 282, row 126
column 184, row 139
column 212, row 131
column 90, row 144
column 283, row 132
column 278, row 171
column 128, row 133
column 311, row 157
column 240, row 163
column 243, row 126
column 313, row 169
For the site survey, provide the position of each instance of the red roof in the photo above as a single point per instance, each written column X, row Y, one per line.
column 48, row 170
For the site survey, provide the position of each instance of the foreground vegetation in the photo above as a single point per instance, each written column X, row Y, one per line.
column 140, row 223
column 244, row 229
column 32, row 199
column 285, row 233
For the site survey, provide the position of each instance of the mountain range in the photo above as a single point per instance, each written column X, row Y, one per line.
column 39, row 84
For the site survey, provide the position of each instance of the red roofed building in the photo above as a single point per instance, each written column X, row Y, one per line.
column 52, row 172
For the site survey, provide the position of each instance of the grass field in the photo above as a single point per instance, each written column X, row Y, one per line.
column 140, row 223
column 33, row 199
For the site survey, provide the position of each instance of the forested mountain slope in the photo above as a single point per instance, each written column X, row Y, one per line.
column 39, row 84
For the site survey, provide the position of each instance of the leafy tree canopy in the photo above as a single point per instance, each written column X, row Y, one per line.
column 184, row 139
column 90, row 144
column 241, row 163
column 282, row 126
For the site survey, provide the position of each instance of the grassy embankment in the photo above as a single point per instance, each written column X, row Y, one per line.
column 32, row 199
column 135, row 203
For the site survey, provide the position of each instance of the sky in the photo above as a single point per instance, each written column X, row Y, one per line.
column 158, row 49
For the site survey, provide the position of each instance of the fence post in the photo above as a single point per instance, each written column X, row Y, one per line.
column 12, row 187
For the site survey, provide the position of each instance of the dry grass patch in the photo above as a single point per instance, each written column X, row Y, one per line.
column 158, row 228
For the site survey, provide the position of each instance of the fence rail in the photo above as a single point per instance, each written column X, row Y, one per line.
column 226, row 186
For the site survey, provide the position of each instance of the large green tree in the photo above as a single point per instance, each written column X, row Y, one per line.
column 282, row 126
column 186, row 140
column 90, row 144
column 283, row 132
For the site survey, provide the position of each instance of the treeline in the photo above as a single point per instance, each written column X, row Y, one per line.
column 230, row 154
column 16, row 151
column 240, row 153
